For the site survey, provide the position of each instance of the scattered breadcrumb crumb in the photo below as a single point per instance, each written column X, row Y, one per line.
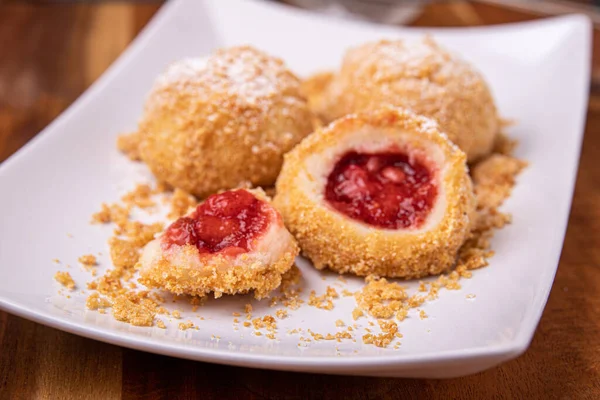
column 181, row 203
column 128, row 144
column 402, row 314
column 494, row 179
column 160, row 324
column 339, row 323
column 134, row 308
column 111, row 213
column 389, row 329
column 470, row 296
column 95, row 302
column 380, row 298
column 423, row 315
column 123, row 253
column 176, row 314
column 289, row 290
column 137, row 233
column 140, row 196
column 163, row 311
column 65, row 279
column 357, row 313
column 186, row 325
column 325, row 301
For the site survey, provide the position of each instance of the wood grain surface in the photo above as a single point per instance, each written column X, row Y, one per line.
column 49, row 54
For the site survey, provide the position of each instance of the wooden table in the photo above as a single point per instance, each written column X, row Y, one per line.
column 49, row 54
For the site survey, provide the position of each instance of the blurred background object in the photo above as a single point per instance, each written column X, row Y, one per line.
column 459, row 13
column 405, row 11
column 382, row 11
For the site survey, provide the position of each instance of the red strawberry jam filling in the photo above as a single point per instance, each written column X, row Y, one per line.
column 386, row 190
column 225, row 223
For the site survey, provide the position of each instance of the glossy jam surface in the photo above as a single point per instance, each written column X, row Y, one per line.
column 386, row 190
column 225, row 223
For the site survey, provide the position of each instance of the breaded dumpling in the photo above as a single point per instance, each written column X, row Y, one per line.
column 233, row 242
column 417, row 75
column 381, row 192
column 212, row 123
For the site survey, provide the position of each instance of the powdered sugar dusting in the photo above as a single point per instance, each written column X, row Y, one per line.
column 421, row 59
column 182, row 70
column 244, row 73
column 421, row 76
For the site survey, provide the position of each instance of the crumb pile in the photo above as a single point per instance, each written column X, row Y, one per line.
column 116, row 288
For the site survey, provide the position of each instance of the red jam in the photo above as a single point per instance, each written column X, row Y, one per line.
column 224, row 223
column 386, row 190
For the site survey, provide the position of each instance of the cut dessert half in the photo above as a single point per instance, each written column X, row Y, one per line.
column 381, row 192
column 234, row 242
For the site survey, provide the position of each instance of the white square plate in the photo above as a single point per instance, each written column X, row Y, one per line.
column 539, row 74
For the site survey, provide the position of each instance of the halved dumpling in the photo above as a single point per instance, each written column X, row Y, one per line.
column 381, row 192
column 234, row 242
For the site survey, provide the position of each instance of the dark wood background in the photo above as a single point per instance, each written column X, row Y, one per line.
column 49, row 54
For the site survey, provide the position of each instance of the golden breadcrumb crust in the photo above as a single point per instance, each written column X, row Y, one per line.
column 255, row 270
column 211, row 124
column 333, row 240
column 220, row 277
column 420, row 76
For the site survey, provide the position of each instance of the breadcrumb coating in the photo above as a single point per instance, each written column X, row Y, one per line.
column 332, row 240
column 210, row 124
column 418, row 75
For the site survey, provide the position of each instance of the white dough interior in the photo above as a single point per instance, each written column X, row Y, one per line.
column 313, row 177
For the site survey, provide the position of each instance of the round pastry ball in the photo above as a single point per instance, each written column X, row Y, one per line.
column 380, row 192
column 420, row 76
column 216, row 122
